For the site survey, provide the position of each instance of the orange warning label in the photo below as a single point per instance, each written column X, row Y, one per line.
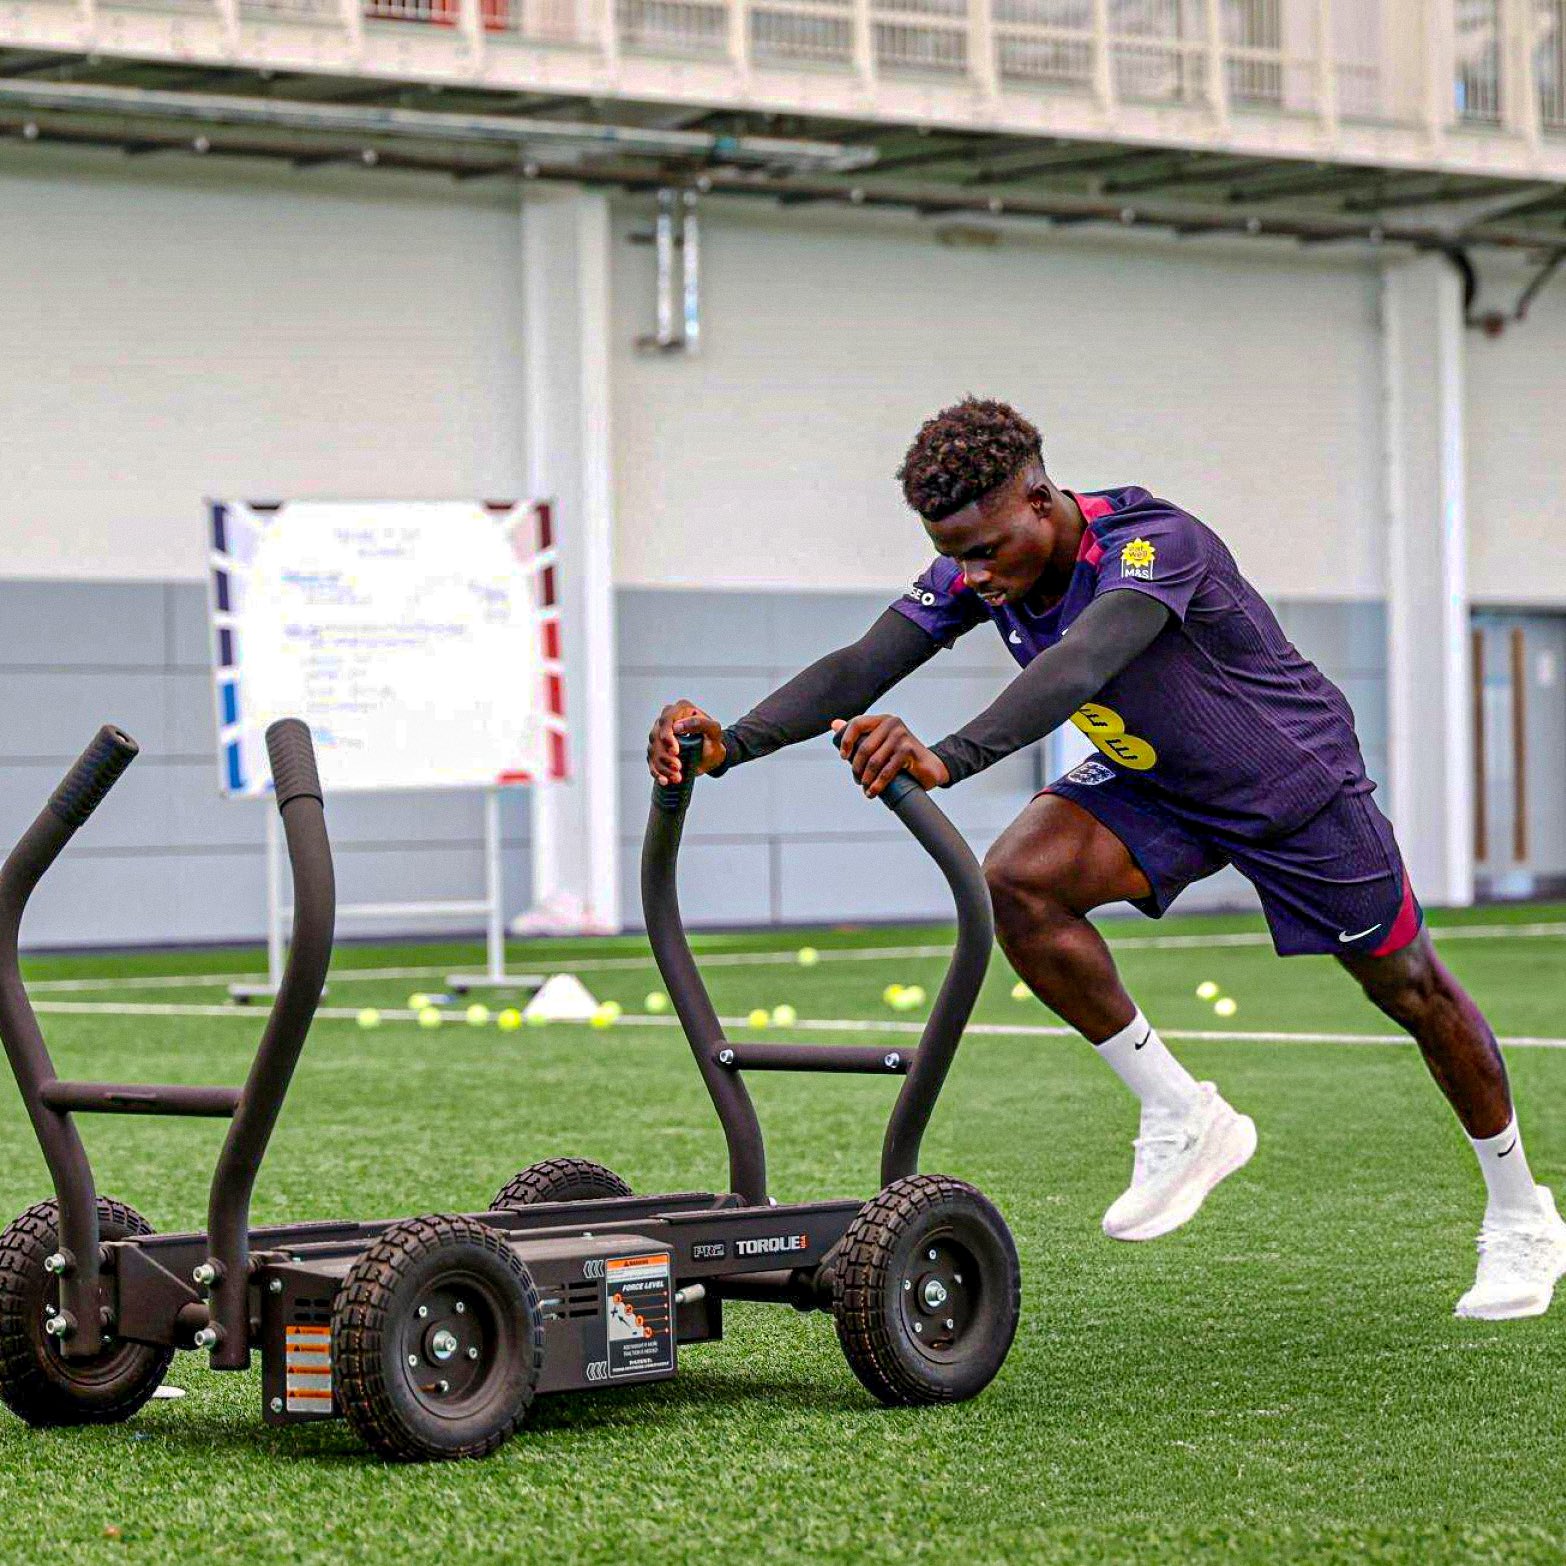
column 307, row 1369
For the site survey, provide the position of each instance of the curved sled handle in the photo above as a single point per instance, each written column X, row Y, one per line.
column 94, row 773
column 959, row 992
column 673, row 798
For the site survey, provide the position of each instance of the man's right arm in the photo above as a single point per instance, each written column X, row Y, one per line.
column 839, row 685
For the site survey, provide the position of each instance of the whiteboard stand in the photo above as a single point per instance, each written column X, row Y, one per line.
column 491, row 906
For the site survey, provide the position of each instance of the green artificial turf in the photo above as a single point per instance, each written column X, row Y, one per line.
column 1282, row 1380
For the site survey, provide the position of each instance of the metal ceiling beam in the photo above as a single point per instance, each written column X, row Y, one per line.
column 1043, row 168
column 969, row 146
column 1209, row 171
column 270, row 114
column 1320, row 181
column 1429, row 195
column 31, row 64
column 1061, row 208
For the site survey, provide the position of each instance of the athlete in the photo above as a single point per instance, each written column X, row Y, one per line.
column 1218, row 743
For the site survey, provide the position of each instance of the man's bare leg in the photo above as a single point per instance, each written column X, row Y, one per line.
column 1522, row 1245
column 1050, row 867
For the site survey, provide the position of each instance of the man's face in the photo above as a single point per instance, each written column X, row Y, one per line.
column 1010, row 541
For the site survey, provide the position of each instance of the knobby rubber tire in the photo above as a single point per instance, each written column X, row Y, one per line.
column 37, row 1383
column 375, row 1301
column 559, row 1180
column 880, row 1248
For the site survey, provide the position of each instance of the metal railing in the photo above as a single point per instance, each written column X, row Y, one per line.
column 1352, row 60
column 1549, row 63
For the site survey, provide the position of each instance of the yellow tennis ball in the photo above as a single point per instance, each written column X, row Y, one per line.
column 1020, row 991
column 418, row 1001
column 808, row 956
column 655, row 1002
column 509, row 1020
column 603, row 1016
column 892, row 994
column 911, row 996
column 1206, row 990
column 1225, row 1006
column 613, row 1009
column 369, row 1018
column 533, row 1020
column 784, row 1016
column 429, row 1017
column 477, row 1015
column 759, row 1018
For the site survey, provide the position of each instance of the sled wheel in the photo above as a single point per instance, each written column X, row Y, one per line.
column 37, row 1382
column 926, row 1291
column 437, row 1340
column 559, row 1180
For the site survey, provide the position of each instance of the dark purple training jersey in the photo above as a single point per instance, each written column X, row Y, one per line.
column 1221, row 717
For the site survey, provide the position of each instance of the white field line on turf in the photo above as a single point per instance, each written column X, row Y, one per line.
column 738, row 1029
column 1131, row 943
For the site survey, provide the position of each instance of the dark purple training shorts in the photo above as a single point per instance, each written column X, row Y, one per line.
column 1335, row 884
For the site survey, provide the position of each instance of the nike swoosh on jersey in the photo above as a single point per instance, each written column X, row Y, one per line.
column 1345, row 937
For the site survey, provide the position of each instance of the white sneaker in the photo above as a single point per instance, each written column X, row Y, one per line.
column 1518, row 1266
column 1177, row 1163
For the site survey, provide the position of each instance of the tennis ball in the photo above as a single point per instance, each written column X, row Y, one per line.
column 1225, row 1006
column 612, row 1009
column 604, row 1016
column 533, row 1020
column 808, row 956
column 759, row 1018
column 418, row 1001
column 656, row 1001
column 429, row 1017
column 1206, row 990
column 1020, row 991
column 784, row 1016
column 369, row 1018
column 477, row 1015
column 509, row 1020
column 892, row 994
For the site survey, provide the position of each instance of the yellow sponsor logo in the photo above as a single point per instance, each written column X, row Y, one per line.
column 1107, row 730
column 1137, row 558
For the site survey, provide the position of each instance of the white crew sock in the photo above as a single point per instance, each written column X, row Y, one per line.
column 1139, row 1058
column 1507, row 1177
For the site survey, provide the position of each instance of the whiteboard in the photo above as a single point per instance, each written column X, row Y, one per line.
column 420, row 640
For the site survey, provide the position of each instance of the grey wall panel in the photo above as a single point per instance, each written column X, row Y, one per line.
column 189, row 716
column 52, row 713
column 888, row 879
column 44, row 623
column 683, row 628
column 188, row 640
column 721, row 882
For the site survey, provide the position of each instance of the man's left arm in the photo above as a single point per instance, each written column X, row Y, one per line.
column 1105, row 637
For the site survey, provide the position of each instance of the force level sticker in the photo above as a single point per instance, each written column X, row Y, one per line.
column 639, row 1310
column 307, row 1369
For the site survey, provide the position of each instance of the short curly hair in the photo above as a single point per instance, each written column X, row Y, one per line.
column 964, row 452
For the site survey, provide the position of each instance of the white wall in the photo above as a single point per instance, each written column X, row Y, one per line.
column 1245, row 386
column 175, row 329
column 1516, row 419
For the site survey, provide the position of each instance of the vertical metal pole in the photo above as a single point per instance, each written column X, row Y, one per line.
column 664, row 250
column 274, row 899
column 690, row 237
column 492, row 886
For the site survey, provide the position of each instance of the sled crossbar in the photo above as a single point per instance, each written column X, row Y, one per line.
column 814, row 1057
column 114, row 1098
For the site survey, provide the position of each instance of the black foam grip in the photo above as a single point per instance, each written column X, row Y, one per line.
column 897, row 790
column 292, row 753
column 97, row 770
column 672, row 797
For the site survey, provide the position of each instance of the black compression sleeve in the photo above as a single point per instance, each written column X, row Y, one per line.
column 1105, row 637
column 841, row 685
